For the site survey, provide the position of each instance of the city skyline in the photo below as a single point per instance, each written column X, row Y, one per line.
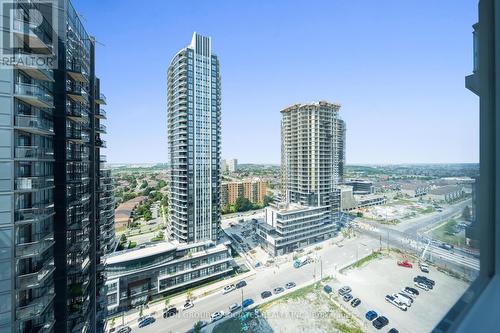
column 382, row 84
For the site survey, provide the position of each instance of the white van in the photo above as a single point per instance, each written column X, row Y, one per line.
column 405, row 299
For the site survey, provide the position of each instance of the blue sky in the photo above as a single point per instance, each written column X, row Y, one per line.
column 396, row 67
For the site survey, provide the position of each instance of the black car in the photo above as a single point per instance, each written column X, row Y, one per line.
column 170, row 312
column 425, row 279
column 241, row 284
column 412, row 291
column 266, row 294
column 380, row 322
column 422, row 279
column 355, row 302
column 393, row 330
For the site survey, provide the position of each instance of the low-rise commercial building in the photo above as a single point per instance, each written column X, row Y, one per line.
column 349, row 201
column 139, row 275
column 360, row 186
column 447, row 193
column 287, row 228
column 414, row 190
column 253, row 190
column 369, row 200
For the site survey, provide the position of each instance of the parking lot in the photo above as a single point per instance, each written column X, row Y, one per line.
column 382, row 276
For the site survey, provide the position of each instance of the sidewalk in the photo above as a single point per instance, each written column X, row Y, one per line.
column 155, row 309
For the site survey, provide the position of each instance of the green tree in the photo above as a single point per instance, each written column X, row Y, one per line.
column 147, row 215
column 243, row 204
column 123, row 238
column 268, row 199
column 198, row 326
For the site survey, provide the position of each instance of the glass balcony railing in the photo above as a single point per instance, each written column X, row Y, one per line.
column 36, row 38
column 34, row 214
column 100, row 113
column 35, row 248
column 35, row 308
column 38, row 71
column 34, row 152
column 33, row 183
column 101, row 99
column 32, row 91
column 35, row 123
column 101, row 129
column 37, row 278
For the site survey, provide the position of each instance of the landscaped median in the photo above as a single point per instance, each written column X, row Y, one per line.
column 307, row 310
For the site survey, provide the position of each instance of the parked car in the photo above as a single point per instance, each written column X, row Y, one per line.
column 233, row 307
column 170, row 312
column 188, row 305
column 424, row 267
column 228, row 289
column 424, row 279
column 278, row 290
column 380, row 322
column 124, row 329
column 422, row 285
column 370, row 315
column 405, row 263
column 406, row 300
column 146, row 321
column 217, row 316
column 393, row 330
column 327, row 289
column 241, row 284
column 247, row 302
column 344, row 290
column 290, row 285
column 266, row 294
column 347, row 297
column 355, row 302
column 394, row 301
column 412, row 291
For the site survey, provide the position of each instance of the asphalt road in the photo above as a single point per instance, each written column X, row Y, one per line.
column 330, row 259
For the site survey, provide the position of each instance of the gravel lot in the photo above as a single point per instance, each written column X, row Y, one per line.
column 382, row 276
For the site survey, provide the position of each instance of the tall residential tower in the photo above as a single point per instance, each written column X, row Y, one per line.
column 49, row 173
column 194, row 115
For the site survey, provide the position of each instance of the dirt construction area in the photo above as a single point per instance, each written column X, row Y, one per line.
column 381, row 276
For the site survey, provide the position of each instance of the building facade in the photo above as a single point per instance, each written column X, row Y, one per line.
column 50, row 175
column 309, row 155
column 232, row 165
column 134, row 277
column 340, row 135
column 253, row 190
column 360, row 186
column 194, row 114
column 288, row 227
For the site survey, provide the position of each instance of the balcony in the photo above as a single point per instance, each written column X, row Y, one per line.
column 27, row 63
column 100, row 143
column 34, row 124
column 34, row 95
column 28, row 35
column 101, row 100
column 100, row 114
column 34, row 214
column 77, row 114
column 78, row 268
column 34, row 248
column 102, row 158
column 35, row 279
column 34, row 153
column 76, row 72
column 33, row 183
column 78, row 95
column 77, row 136
column 78, row 223
column 101, row 129
column 35, row 308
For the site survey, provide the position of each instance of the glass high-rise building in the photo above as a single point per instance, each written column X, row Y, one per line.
column 54, row 225
column 194, row 115
column 311, row 153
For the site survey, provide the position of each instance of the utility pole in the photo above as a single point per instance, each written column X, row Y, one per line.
column 321, row 267
column 241, row 299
